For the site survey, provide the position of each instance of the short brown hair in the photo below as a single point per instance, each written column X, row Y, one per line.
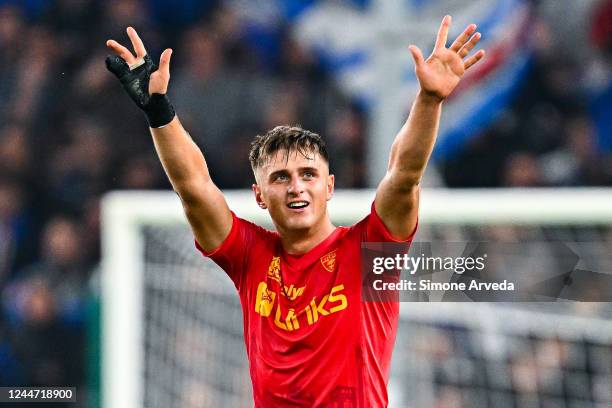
column 289, row 138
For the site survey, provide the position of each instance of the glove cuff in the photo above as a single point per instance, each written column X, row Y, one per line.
column 159, row 110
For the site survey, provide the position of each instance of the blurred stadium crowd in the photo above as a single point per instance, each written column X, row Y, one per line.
column 68, row 134
column 456, row 364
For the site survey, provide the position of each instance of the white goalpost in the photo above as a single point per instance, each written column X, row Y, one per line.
column 172, row 324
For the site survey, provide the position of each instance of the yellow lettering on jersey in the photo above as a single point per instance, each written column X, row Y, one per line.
column 274, row 269
column 337, row 298
column 292, row 292
column 265, row 300
column 313, row 310
column 316, row 309
column 291, row 320
column 319, row 308
column 309, row 314
column 277, row 318
column 264, row 304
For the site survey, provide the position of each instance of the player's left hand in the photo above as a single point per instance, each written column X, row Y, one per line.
column 442, row 71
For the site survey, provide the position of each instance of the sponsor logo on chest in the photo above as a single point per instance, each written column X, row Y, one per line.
column 325, row 305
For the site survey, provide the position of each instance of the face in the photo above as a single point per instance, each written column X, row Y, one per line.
column 295, row 190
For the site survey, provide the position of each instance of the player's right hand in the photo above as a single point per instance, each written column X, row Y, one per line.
column 144, row 82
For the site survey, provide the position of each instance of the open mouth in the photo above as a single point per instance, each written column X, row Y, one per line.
column 298, row 205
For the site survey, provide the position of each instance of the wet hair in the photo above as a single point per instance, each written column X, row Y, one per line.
column 287, row 138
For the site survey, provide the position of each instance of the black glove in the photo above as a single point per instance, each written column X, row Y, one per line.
column 157, row 107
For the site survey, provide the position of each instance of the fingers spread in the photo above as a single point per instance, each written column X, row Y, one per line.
column 136, row 43
column 463, row 38
column 164, row 62
column 443, row 32
column 469, row 46
column 121, row 51
column 417, row 55
column 473, row 59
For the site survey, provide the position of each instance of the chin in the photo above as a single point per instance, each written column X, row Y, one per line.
column 300, row 222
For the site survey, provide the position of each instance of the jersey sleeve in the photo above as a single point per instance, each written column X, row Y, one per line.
column 376, row 231
column 233, row 253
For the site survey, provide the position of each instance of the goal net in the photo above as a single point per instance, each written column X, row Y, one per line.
column 172, row 322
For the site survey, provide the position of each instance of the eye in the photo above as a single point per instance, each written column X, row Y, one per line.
column 281, row 178
column 308, row 175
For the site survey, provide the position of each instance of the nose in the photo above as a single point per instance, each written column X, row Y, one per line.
column 295, row 187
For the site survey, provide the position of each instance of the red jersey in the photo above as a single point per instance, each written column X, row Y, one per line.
column 310, row 339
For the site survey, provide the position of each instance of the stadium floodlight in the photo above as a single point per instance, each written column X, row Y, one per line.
column 172, row 323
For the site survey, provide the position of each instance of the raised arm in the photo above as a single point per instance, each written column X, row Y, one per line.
column 397, row 196
column 183, row 162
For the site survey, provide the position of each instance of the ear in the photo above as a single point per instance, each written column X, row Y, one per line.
column 330, row 186
column 258, row 198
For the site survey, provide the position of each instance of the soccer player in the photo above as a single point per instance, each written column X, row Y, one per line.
column 310, row 339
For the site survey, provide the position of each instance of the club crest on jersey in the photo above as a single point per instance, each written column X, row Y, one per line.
column 329, row 261
column 274, row 269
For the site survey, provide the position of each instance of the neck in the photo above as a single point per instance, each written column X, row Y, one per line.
column 297, row 242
